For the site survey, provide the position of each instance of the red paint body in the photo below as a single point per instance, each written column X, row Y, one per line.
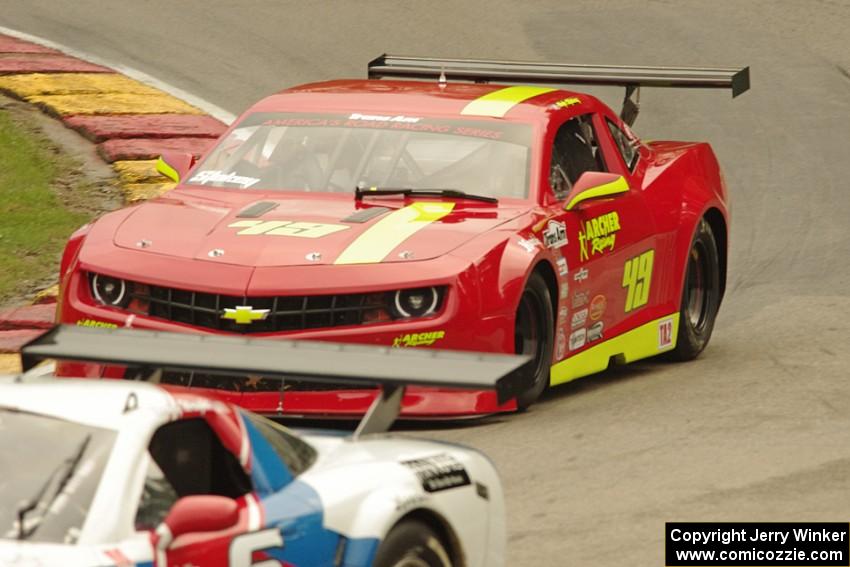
column 474, row 250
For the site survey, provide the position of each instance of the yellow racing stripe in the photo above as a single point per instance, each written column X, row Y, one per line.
column 381, row 238
column 498, row 103
column 641, row 342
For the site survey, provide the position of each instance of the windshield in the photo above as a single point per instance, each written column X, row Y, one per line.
column 52, row 467
column 338, row 152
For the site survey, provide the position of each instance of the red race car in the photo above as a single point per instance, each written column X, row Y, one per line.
column 462, row 209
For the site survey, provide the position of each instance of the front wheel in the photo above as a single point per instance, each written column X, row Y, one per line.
column 700, row 296
column 534, row 335
column 412, row 544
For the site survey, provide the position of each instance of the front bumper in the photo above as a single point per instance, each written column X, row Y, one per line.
column 458, row 326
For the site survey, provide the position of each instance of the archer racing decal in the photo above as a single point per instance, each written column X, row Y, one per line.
column 597, row 307
column 594, row 333
column 419, row 339
column 599, row 235
column 580, row 298
column 440, row 472
column 581, row 275
column 215, row 176
column 243, row 547
column 637, row 277
column 578, row 339
column 555, row 235
column 567, row 102
column 286, row 228
column 98, row 324
column 579, row 319
column 665, row 334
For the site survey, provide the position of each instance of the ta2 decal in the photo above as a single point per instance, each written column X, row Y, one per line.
column 665, row 333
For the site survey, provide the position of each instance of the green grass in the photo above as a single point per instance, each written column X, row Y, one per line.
column 34, row 221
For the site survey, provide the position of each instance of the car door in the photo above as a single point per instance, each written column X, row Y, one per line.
column 190, row 457
column 603, row 236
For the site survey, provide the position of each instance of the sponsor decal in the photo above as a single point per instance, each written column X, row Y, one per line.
column 594, row 333
column 440, row 472
column 579, row 319
column 286, row 228
column 530, row 245
column 427, row 338
column 565, row 290
column 637, row 277
column 217, row 176
column 597, row 307
column 244, row 314
column 578, row 339
column 599, row 235
column 562, row 344
column 378, row 118
column 563, row 269
column 567, row 102
column 580, row 298
column 93, row 323
column 562, row 316
column 665, row 333
column 555, row 235
column 581, row 275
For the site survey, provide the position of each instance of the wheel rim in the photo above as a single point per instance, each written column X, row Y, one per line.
column 698, row 292
column 528, row 338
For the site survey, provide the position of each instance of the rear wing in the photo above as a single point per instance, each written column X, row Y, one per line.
column 523, row 72
column 390, row 368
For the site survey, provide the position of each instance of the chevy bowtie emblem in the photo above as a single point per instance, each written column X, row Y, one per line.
column 245, row 314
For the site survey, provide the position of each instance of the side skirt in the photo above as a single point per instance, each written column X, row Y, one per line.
column 647, row 340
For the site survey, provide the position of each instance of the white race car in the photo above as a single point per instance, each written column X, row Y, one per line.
column 121, row 472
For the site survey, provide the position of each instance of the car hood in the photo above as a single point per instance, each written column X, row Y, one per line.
column 259, row 230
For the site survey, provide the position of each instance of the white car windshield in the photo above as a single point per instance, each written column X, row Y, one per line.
column 338, row 152
column 59, row 466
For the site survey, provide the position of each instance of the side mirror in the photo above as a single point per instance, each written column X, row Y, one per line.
column 192, row 514
column 595, row 185
column 175, row 165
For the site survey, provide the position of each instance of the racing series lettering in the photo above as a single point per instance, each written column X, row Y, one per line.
column 637, row 277
column 598, row 235
column 286, row 228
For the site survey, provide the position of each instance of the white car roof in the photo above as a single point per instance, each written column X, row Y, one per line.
column 94, row 402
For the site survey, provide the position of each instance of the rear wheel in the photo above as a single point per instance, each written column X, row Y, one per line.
column 412, row 544
column 534, row 336
column 700, row 296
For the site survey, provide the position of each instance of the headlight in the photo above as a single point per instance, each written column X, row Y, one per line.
column 109, row 291
column 419, row 302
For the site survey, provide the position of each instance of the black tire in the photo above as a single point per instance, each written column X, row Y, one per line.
column 700, row 295
column 534, row 335
column 412, row 543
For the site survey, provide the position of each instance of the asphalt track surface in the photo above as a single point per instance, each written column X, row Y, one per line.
column 759, row 427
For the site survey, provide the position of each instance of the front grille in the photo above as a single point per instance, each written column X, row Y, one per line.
column 235, row 383
column 285, row 313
